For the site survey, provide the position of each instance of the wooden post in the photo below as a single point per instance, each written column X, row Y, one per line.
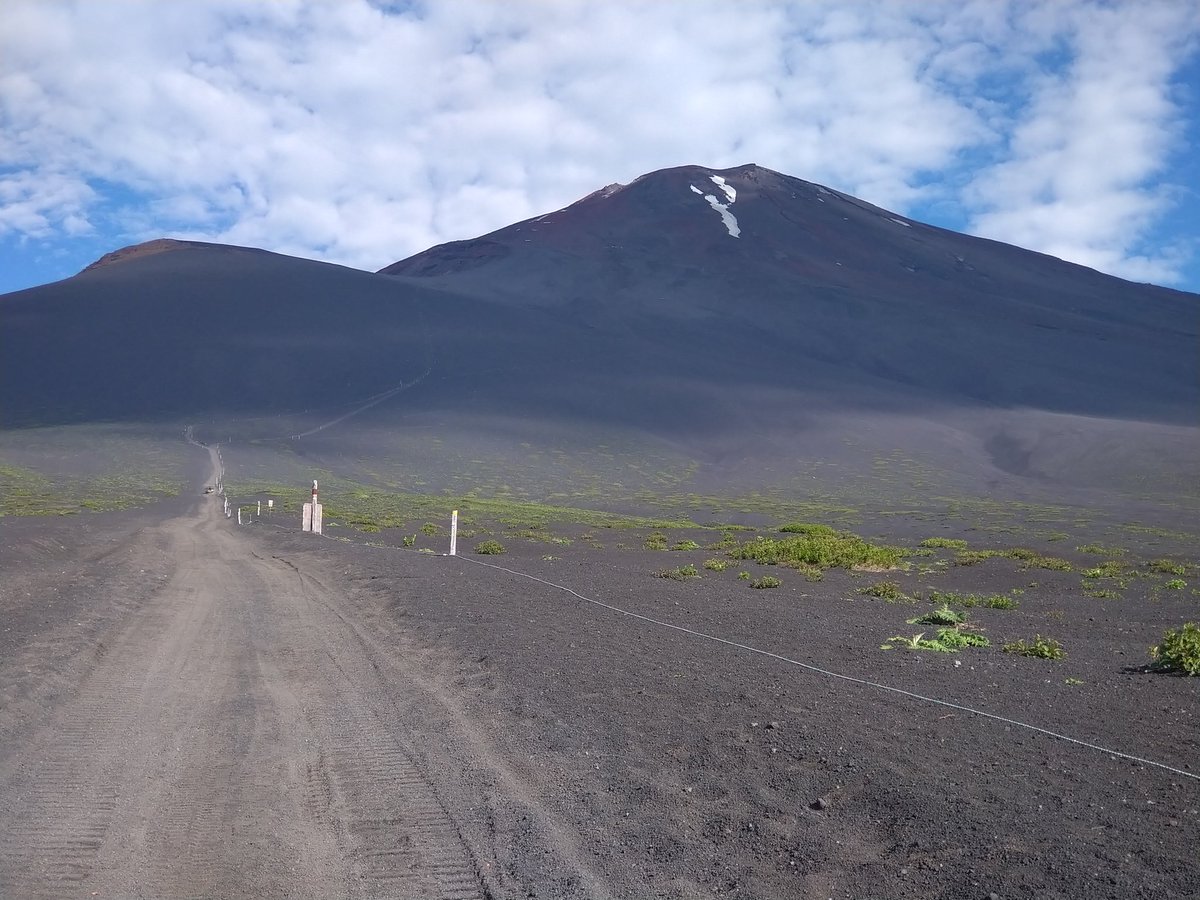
column 454, row 533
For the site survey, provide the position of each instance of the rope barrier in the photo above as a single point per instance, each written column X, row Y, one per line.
column 862, row 681
column 808, row 666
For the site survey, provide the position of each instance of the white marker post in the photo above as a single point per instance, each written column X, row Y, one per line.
column 270, row 506
column 454, row 533
column 260, row 508
column 311, row 519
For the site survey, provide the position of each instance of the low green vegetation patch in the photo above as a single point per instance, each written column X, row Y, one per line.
column 975, row 557
column 1029, row 559
column 717, row 565
column 1110, row 569
column 916, row 642
column 765, row 581
column 959, row 640
column 1167, row 567
column 885, row 590
column 685, row 545
column 1040, row 648
column 822, row 547
column 943, row 615
column 934, row 543
column 970, row 601
column 489, row 548
column 1179, row 650
column 24, row 492
column 683, row 573
column 1101, row 550
column 948, row 640
column 1176, row 584
column 655, row 540
column 807, row 528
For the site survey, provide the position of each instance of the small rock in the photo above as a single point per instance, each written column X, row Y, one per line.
column 772, row 724
column 819, row 803
column 993, row 896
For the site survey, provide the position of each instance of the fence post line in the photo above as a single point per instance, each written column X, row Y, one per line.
column 454, row 533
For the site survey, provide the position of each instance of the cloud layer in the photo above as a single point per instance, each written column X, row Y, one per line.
column 363, row 132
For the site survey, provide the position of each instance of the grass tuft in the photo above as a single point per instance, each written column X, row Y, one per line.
column 683, row 573
column 1039, row 647
column 766, row 581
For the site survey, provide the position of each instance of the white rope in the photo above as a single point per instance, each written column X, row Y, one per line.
column 795, row 662
column 851, row 678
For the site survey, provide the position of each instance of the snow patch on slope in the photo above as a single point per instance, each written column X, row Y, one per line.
column 731, row 222
column 728, row 189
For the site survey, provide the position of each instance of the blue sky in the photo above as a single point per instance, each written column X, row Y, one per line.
column 361, row 133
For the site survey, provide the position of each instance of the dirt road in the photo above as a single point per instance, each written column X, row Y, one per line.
column 223, row 733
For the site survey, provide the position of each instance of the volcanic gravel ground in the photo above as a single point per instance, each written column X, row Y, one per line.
column 190, row 707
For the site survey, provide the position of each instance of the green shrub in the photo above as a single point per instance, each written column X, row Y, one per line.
column 686, row 545
column 885, row 590
column 943, row 615
column 1176, row 584
column 1166, row 567
column 1039, row 647
column 744, row 576
column 956, row 640
column 1000, row 601
column 489, row 548
column 807, row 528
column 825, row 549
column 916, row 642
column 683, row 573
column 717, row 565
column 974, row 557
column 1110, row 569
column 766, row 581
column 431, row 529
column 946, row 543
column 655, row 540
column 409, row 540
column 1179, row 650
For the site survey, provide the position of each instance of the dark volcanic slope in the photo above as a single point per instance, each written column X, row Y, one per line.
column 637, row 306
column 819, row 290
column 173, row 328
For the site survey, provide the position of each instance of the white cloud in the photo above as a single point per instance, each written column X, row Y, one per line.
column 1084, row 153
column 338, row 129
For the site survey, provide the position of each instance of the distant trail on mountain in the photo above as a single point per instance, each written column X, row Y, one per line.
column 375, row 401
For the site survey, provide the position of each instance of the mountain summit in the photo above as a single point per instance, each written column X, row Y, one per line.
column 838, row 292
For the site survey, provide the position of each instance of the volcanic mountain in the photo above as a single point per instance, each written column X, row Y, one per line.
column 719, row 311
